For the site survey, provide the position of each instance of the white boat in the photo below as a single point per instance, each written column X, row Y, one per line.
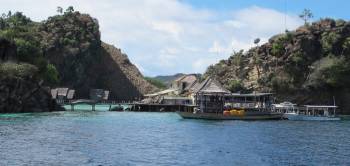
column 313, row 113
column 295, row 116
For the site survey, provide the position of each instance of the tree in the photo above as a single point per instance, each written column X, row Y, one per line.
column 51, row 74
column 235, row 86
column 59, row 9
column 256, row 41
column 70, row 9
column 306, row 15
column 256, row 58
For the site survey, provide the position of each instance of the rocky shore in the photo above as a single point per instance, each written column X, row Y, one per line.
column 20, row 88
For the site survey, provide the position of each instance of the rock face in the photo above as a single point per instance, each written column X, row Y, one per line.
column 20, row 89
column 19, row 95
column 121, row 76
column 7, row 51
column 309, row 65
column 72, row 43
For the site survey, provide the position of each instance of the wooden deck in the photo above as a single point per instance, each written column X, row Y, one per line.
column 133, row 106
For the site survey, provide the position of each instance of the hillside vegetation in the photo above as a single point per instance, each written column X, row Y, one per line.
column 68, row 52
column 309, row 65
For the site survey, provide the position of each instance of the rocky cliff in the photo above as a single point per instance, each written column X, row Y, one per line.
column 68, row 52
column 20, row 88
column 309, row 65
column 72, row 43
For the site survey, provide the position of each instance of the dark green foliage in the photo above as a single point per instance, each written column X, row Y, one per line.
column 235, row 86
column 159, row 84
column 59, row 10
column 346, row 47
column 22, row 70
column 278, row 48
column 282, row 82
column 51, row 75
column 69, row 10
column 328, row 40
column 27, row 51
column 329, row 72
column 236, row 58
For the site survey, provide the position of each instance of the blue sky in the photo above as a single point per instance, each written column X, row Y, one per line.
column 320, row 8
column 163, row 37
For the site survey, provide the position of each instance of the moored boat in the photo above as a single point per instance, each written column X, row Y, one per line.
column 313, row 113
column 300, row 117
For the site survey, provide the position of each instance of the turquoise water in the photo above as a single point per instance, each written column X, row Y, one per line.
column 127, row 138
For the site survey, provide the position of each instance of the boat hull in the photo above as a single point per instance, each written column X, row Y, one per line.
column 247, row 116
column 298, row 117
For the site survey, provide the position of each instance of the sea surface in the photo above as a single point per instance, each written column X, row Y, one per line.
column 156, row 139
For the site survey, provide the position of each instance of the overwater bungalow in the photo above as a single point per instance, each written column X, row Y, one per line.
column 61, row 95
column 214, row 102
column 210, row 96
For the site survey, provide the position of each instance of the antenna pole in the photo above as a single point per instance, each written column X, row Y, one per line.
column 285, row 14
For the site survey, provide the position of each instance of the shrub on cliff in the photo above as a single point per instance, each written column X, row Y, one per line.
column 51, row 75
column 22, row 70
column 331, row 72
column 328, row 40
column 235, row 86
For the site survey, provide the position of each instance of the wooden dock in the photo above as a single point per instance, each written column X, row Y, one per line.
column 132, row 106
column 142, row 107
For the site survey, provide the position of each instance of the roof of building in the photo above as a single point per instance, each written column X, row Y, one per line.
column 320, row 106
column 176, row 98
column 250, row 94
column 161, row 93
column 106, row 95
column 210, row 85
column 187, row 78
column 191, row 86
column 62, row 91
column 54, row 93
column 70, row 94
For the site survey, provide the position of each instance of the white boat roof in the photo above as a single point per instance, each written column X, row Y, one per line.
column 249, row 94
column 321, row 106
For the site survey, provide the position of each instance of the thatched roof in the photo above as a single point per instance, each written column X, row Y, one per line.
column 71, row 93
column 62, row 91
column 106, row 95
column 210, row 85
column 54, row 93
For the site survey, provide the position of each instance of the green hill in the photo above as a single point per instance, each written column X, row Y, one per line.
column 68, row 51
column 309, row 65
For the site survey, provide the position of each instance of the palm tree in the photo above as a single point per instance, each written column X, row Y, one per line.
column 256, row 58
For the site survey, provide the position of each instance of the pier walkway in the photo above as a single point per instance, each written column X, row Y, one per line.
column 130, row 106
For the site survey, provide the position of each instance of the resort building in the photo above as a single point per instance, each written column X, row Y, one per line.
column 209, row 95
column 184, row 83
column 176, row 93
column 62, row 93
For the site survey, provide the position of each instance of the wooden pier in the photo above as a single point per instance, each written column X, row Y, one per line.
column 131, row 106
column 142, row 107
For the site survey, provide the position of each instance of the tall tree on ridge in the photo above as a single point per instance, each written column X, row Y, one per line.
column 306, row 15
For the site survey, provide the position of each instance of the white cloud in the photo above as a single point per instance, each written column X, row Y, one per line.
column 168, row 36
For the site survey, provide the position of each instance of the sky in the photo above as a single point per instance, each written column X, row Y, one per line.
column 164, row 37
